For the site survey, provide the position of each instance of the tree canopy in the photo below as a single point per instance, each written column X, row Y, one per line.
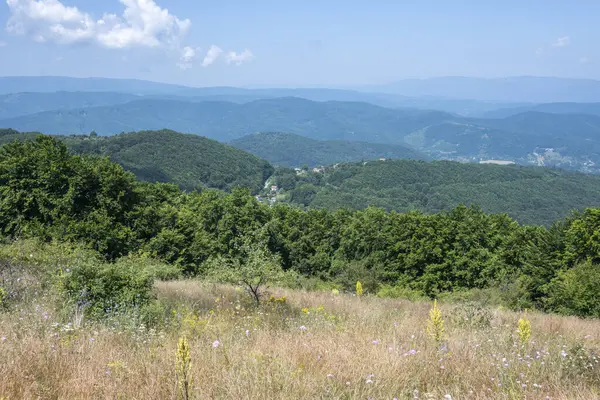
column 50, row 194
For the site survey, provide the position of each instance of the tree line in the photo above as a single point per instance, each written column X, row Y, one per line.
column 48, row 193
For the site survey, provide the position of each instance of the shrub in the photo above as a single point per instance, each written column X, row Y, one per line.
column 489, row 297
column 400, row 292
column 154, row 268
column 31, row 268
column 575, row 291
column 471, row 315
column 105, row 288
column 347, row 273
column 254, row 271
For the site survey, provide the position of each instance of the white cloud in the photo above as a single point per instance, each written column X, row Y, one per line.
column 211, row 55
column 238, row 59
column 562, row 42
column 142, row 24
column 3, row 44
column 188, row 55
column 584, row 60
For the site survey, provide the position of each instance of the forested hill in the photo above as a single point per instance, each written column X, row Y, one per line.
column 531, row 195
column 189, row 161
column 292, row 150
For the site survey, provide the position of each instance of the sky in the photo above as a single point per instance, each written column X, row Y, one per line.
column 299, row 43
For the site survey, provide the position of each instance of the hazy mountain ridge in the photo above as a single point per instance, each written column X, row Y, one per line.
column 292, row 150
column 26, row 103
column 552, row 108
column 512, row 89
column 13, row 85
column 226, row 121
column 564, row 140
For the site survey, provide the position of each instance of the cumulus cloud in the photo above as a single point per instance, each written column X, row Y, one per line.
column 188, row 54
column 239, row 59
column 142, row 24
column 562, row 42
column 211, row 55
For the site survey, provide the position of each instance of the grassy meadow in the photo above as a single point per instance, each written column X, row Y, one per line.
column 297, row 345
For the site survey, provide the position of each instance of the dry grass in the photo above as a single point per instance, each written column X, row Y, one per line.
column 343, row 348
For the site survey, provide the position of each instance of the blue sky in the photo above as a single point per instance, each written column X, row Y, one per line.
column 289, row 42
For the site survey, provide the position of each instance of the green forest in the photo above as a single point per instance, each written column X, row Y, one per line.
column 290, row 150
column 536, row 196
column 190, row 161
column 50, row 194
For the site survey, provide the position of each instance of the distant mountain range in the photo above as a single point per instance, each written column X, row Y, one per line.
column 50, row 85
column 291, row 150
column 410, row 113
column 25, row 103
column 534, row 138
column 553, row 108
column 512, row 89
column 227, row 121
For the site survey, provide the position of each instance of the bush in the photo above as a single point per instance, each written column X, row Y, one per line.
column 99, row 288
column 490, row 297
column 347, row 273
column 154, row 268
column 254, row 270
column 575, row 291
column 471, row 315
column 400, row 292
column 31, row 268
column 315, row 284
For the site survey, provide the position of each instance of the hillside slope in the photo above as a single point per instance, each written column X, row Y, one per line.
column 531, row 195
column 292, row 150
column 189, row 161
